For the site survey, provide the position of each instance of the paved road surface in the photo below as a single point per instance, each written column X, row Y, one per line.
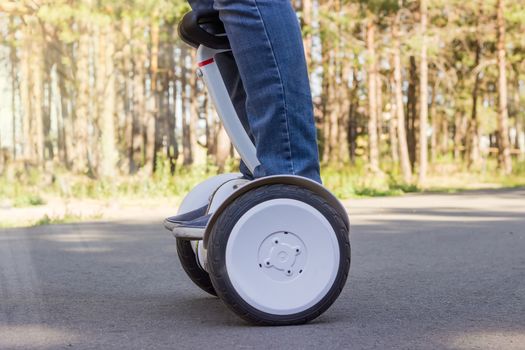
column 428, row 272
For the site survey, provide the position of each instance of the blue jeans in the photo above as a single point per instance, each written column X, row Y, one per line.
column 268, row 83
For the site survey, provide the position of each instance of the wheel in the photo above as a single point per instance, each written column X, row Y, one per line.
column 190, row 264
column 279, row 255
column 196, row 198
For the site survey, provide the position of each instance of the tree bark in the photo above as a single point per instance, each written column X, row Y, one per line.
column 25, row 99
column 435, row 124
column 108, row 160
column 152, row 104
column 473, row 152
column 352, row 117
column 187, row 151
column 194, row 107
column 13, row 60
column 423, row 94
column 136, row 150
column 172, row 147
column 412, row 112
column 379, row 99
column 460, row 131
column 504, row 156
column 373, row 150
column 392, row 127
column 400, row 112
column 35, row 59
column 307, row 29
column 65, row 121
column 82, row 110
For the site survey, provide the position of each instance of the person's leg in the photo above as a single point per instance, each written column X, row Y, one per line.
column 266, row 42
column 272, row 94
column 232, row 80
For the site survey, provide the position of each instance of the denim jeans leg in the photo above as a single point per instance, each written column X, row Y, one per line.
column 232, row 80
column 267, row 46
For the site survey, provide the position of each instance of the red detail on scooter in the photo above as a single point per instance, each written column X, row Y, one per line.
column 206, row 62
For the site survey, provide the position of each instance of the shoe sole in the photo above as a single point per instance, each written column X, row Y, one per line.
column 169, row 225
column 189, row 233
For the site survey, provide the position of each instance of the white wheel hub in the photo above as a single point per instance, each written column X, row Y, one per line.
column 282, row 256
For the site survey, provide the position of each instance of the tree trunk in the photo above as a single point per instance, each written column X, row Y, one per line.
column 307, row 29
column 473, row 152
column 443, row 145
column 344, row 100
column 187, row 151
column 379, row 99
column 25, row 99
column 136, row 150
column 372, row 98
column 520, row 130
column 13, row 76
column 398, row 90
column 333, row 110
column 435, row 124
column 460, row 131
column 325, row 106
column 352, row 117
column 108, row 159
column 172, row 147
column 65, row 130
column 504, row 157
column 82, row 110
column 223, row 148
column 194, row 107
column 412, row 112
column 36, row 95
column 152, row 112
column 392, row 127
column 124, row 104
column 423, row 93
column 49, row 152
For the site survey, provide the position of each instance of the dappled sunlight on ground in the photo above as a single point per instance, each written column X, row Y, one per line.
column 88, row 250
column 510, row 340
column 468, row 207
column 81, row 236
column 34, row 336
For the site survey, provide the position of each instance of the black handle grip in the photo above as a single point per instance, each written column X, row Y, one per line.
column 192, row 32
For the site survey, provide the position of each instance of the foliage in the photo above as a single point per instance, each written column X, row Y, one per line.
column 99, row 98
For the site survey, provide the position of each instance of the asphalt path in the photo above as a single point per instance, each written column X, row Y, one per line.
column 442, row 271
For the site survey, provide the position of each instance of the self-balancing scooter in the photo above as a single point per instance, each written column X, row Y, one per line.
column 276, row 249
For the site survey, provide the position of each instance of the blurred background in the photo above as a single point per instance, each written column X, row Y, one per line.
column 99, row 101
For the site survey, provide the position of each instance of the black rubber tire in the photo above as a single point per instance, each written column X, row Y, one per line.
column 220, row 233
column 189, row 263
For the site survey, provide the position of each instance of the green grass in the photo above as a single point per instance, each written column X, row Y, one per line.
column 345, row 181
column 20, row 191
column 444, row 176
column 50, row 220
column 28, row 200
column 67, row 218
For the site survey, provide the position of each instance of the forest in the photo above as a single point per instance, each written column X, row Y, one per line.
column 105, row 89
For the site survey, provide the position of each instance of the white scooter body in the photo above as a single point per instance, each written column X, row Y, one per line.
column 277, row 246
column 211, row 192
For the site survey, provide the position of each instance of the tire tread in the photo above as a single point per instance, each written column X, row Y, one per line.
column 217, row 247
